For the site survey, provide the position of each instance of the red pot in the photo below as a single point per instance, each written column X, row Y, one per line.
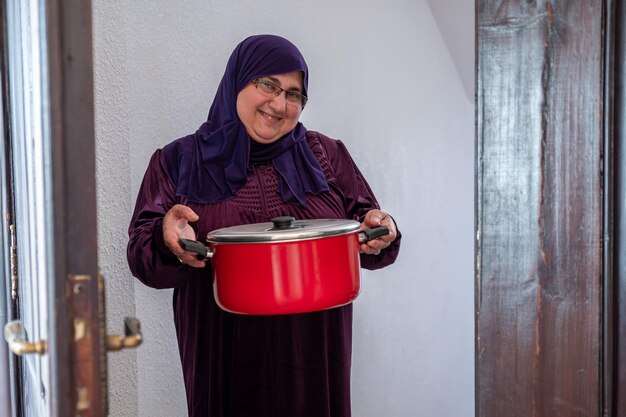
column 287, row 266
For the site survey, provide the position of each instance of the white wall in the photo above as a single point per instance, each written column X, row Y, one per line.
column 381, row 79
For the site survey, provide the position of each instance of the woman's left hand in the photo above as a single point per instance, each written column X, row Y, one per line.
column 375, row 218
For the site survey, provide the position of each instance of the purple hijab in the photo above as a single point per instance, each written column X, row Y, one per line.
column 211, row 165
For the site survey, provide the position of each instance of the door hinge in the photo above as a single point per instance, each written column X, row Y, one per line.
column 13, row 249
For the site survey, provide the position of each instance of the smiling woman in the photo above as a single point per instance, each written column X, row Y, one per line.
column 253, row 161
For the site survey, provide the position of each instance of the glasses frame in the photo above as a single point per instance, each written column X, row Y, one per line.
column 279, row 90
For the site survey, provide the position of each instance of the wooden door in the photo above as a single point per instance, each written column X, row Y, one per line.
column 550, row 303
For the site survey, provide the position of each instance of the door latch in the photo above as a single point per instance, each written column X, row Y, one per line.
column 14, row 335
column 131, row 339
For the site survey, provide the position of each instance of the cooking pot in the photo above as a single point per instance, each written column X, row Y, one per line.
column 285, row 266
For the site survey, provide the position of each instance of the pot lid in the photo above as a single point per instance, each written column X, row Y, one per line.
column 282, row 229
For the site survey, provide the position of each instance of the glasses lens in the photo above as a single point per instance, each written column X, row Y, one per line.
column 293, row 97
column 266, row 87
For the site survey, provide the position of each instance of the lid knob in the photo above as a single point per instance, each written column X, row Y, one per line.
column 283, row 222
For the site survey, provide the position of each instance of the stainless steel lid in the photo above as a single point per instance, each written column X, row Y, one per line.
column 282, row 229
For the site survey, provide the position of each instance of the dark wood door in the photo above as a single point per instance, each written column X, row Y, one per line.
column 545, row 195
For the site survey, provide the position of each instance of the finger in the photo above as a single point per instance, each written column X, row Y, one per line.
column 184, row 212
column 377, row 244
column 391, row 226
column 191, row 259
column 195, row 263
column 373, row 218
column 374, row 246
column 176, row 225
column 369, row 250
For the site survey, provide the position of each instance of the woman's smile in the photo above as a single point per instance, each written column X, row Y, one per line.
column 269, row 117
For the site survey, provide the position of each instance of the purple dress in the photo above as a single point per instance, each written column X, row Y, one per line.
column 254, row 366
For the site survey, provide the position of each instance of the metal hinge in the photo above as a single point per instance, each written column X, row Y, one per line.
column 13, row 249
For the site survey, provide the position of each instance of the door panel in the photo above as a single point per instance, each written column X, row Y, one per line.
column 551, row 199
column 539, row 208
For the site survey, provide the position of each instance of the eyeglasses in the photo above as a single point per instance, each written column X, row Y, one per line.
column 269, row 88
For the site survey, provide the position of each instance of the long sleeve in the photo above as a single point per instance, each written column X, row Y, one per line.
column 149, row 258
column 359, row 199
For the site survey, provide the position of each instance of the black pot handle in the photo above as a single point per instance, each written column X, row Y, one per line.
column 203, row 253
column 370, row 233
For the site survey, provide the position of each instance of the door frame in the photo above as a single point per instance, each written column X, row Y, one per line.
column 75, row 217
column 10, row 366
column 616, row 299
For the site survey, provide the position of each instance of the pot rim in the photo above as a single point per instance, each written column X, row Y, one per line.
column 283, row 229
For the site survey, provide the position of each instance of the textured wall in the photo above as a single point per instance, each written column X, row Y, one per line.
column 113, row 169
column 384, row 82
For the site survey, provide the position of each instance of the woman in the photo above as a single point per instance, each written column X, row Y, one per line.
column 249, row 162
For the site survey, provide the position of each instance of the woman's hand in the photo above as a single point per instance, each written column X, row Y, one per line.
column 175, row 226
column 375, row 218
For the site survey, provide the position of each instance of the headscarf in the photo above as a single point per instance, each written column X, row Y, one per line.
column 211, row 165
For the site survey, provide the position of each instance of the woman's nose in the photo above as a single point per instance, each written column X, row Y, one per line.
column 279, row 101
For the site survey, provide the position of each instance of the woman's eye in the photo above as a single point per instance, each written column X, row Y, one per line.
column 266, row 84
column 292, row 96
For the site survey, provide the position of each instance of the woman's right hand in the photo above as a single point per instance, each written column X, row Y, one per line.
column 176, row 226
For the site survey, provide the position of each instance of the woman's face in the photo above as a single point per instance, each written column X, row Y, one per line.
column 268, row 117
